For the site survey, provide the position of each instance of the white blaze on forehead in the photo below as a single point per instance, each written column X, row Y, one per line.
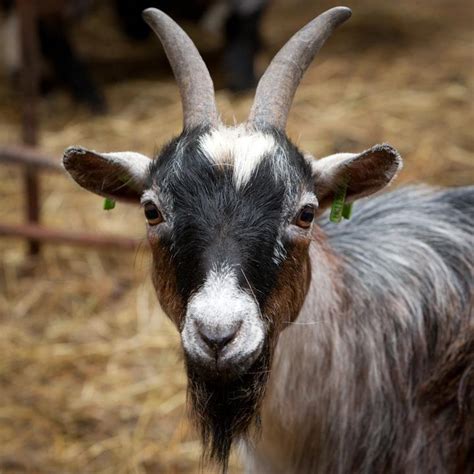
column 238, row 147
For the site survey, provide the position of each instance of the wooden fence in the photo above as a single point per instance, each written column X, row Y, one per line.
column 32, row 160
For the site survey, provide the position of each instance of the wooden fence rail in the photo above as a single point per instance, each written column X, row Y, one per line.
column 43, row 234
column 29, row 156
column 33, row 232
column 31, row 160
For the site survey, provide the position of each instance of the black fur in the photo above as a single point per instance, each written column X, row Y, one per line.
column 212, row 223
column 225, row 409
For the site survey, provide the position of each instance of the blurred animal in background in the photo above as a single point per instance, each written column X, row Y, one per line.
column 56, row 48
column 323, row 347
column 238, row 20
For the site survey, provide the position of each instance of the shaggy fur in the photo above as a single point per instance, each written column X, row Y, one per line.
column 352, row 384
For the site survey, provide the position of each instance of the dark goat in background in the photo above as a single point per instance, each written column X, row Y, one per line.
column 57, row 48
column 239, row 22
column 349, row 347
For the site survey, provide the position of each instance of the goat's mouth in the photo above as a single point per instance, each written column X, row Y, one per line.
column 231, row 363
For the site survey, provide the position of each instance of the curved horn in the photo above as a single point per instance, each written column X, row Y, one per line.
column 194, row 82
column 277, row 86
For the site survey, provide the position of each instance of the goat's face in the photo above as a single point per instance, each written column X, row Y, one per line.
column 230, row 217
column 230, row 214
column 229, row 221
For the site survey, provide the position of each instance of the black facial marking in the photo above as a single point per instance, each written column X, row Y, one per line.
column 215, row 223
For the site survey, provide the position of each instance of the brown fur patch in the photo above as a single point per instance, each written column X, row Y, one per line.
column 164, row 281
column 286, row 299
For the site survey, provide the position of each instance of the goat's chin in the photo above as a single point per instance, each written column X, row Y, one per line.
column 225, row 407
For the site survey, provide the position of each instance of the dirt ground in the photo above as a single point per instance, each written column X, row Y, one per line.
column 91, row 374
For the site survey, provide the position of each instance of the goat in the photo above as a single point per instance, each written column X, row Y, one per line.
column 238, row 21
column 56, row 47
column 321, row 348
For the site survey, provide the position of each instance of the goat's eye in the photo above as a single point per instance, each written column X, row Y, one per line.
column 305, row 217
column 152, row 214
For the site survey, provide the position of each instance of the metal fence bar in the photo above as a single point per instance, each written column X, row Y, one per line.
column 42, row 234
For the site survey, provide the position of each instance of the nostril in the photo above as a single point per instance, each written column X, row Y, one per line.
column 217, row 338
column 216, row 342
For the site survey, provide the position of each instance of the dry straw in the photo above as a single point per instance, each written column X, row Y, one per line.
column 90, row 370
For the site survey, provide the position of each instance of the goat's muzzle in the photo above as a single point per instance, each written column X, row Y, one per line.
column 223, row 333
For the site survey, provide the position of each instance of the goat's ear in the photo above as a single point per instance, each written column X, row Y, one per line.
column 363, row 173
column 119, row 175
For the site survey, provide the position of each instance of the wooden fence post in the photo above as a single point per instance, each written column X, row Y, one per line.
column 30, row 68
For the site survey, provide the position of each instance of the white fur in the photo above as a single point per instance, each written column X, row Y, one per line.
column 328, row 168
column 308, row 198
column 136, row 164
column 149, row 195
column 238, row 147
column 327, row 165
column 220, row 303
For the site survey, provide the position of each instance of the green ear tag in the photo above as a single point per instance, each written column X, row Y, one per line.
column 347, row 210
column 109, row 204
column 337, row 206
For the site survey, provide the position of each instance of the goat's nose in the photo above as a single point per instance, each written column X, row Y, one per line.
column 217, row 338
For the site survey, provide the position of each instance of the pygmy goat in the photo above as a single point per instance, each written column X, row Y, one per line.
column 320, row 348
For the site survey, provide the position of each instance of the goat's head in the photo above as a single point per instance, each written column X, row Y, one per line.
column 230, row 217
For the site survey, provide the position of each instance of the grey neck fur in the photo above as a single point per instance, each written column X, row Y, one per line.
column 343, row 392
